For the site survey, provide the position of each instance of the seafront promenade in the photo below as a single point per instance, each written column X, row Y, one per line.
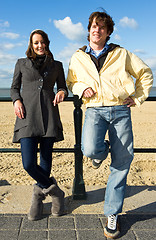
column 83, row 219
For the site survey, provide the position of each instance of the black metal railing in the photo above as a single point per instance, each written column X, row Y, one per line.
column 78, row 185
column 78, row 190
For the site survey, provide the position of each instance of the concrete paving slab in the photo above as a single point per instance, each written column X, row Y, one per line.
column 84, row 219
column 91, row 234
column 61, row 223
column 138, row 199
column 76, row 227
column 141, row 221
column 88, row 222
column 7, row 223
column 33, row 235
column 62, row 235
column 145, row 235
column 9, row 235
column 34, row 225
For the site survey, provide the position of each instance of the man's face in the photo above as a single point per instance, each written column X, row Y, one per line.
column 98, row 33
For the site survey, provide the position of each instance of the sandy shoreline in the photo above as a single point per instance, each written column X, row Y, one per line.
column 143, row 168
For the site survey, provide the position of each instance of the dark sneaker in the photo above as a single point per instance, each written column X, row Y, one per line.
column 96, row 163
column 112, row 229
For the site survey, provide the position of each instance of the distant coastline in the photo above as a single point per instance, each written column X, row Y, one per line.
column 5, row 92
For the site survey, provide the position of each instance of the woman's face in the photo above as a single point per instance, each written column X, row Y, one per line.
column 38, row 44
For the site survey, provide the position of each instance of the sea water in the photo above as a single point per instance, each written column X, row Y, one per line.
column 5, row 92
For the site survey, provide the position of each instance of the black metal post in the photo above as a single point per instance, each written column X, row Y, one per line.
column 78, row 184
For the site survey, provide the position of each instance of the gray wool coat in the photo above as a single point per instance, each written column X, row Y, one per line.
column 36, row 91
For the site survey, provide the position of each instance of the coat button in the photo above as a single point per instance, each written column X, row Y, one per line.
column 45, row 74
column 41, row 79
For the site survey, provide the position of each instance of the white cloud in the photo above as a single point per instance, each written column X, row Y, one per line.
column 7, row 58
column 4, row 23
column 6, row 78
column 9, row 35
column 128, row 22
column 70, row 30
column 5, row 73
column 7, row 64
column 66, row 53
column 117, row 37
column 115, row 29
column 140, row 51
column 8, row 46
column 151, row 62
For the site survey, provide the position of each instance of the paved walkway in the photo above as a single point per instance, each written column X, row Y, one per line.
column 75, row 227
column 84, row 219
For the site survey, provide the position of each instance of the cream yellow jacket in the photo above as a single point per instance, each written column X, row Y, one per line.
column 123, row 74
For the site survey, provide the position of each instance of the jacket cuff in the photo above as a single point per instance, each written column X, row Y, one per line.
column 137, row 102
column 64, row 90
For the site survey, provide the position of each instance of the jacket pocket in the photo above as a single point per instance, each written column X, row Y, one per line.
column 123, row 90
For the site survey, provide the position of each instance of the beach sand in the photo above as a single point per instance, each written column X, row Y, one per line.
column 143, row 167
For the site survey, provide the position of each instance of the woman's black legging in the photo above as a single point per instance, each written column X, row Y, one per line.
column 39, row 172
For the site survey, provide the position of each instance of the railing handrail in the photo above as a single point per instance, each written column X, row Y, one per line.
column 72, row 150
column 68, row 99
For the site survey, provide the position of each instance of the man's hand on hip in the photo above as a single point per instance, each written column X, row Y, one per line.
column 88, row 92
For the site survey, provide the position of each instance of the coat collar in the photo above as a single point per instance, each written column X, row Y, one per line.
column 29, row 63
column 48, row 61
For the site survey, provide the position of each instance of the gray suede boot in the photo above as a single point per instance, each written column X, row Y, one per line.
column 36, row 209
column 57, row 199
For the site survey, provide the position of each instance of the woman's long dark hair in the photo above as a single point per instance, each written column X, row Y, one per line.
column 30, row 52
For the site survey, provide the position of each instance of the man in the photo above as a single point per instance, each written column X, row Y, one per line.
column 103, row 75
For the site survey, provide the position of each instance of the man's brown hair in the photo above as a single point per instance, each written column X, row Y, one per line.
column 101, row 16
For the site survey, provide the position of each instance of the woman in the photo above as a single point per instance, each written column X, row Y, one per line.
column 38, row 121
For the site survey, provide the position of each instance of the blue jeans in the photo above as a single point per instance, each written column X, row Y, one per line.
column 41, row 172
column 117, row 120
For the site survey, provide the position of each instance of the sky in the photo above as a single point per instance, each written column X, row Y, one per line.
column 66, row 21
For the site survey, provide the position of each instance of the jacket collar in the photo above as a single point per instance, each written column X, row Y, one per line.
column 111, row 47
